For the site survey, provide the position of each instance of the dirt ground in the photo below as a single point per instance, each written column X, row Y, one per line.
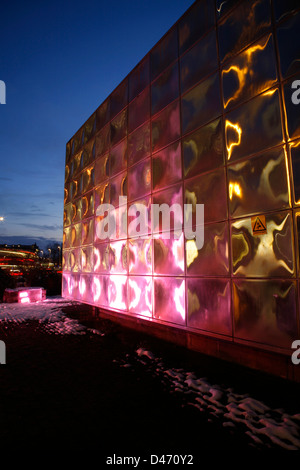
column 78, row 392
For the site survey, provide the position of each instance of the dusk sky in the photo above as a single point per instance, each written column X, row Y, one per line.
column 59, row 61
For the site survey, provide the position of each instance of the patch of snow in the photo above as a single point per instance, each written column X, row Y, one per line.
column 265, row 427
column 143, row 352
column 48, row 312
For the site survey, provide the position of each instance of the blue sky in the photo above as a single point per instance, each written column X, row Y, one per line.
column 59, row 61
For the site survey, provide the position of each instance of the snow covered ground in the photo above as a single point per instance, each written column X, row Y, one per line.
column 265, row 427
column 48, row 312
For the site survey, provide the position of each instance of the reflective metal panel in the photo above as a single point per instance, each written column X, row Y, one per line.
column 281, row 9
column 103, row 114
column 203, row 150
column 139, row 180
column 254, row 126
column 66, row 260
column 201, row 104
column 117, row 292
column 139, row 217
column 119, row 98
column 67, row 214
column 75, row 260
column 101, row 195
column 164, row 53
column 87, row 180
column 139, row 110
column 265, row 311
column 87, row 232
column 102, row 141
column 100, row 287
column 169, row 299
column 139, row 78
column 118, row 257
column 87, row 259
column 252, row 72
column 259, row 184
column 140, row 295
column 264, row 255
column 118, row 127
column 101, row 258
column 168, row 254
column 139, row 144
column 199, row 62
column 102, row 169
column 209, row 305
column 242, row 26
column 65, row 285
column 288, row 45
column 166, row 127
column 223, row 8
column 76, row 235
column 166, row 166
column 118, row 187
column 195, row 23
column 208, row 189
column 88, row 205
column 171, row 197
column 165, row 88
column 118, row 157
column 67, row 237
column 140, row 255
column 212, row 258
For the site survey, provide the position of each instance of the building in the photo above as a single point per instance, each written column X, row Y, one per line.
column 209, row 116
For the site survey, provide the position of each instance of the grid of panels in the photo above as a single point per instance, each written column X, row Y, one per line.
column 206, row 117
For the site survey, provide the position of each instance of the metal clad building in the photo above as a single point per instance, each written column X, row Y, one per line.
column 209, row 116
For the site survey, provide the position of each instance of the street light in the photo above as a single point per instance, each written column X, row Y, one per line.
column 1, row 219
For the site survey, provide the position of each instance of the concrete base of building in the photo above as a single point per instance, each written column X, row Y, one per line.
column 269, row 361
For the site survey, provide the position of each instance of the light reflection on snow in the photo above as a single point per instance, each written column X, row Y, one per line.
column 49, row 313
column 265, row 427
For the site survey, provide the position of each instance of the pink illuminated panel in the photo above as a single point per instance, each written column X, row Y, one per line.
column 117, row 292
column 169, row 299
column 140, row 295
column 168, row 254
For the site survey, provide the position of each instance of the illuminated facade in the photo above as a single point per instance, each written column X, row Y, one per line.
column 207, row 117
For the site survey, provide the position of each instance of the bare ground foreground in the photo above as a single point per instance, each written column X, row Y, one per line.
column 80, row 383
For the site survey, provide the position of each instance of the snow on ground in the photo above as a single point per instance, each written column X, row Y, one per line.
column 48, row 312
column 265, row 427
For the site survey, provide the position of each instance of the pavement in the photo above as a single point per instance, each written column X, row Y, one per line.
column 123, row 393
